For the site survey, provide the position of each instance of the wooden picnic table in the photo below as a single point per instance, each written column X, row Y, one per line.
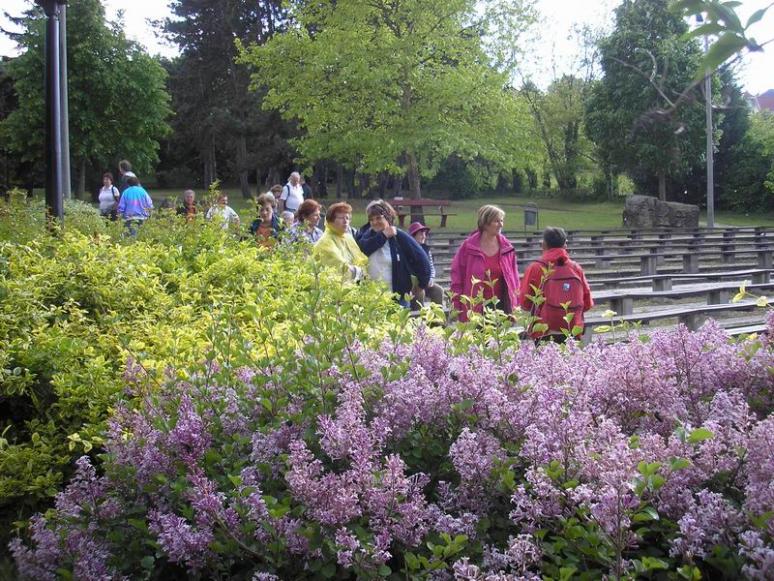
column 407, row 206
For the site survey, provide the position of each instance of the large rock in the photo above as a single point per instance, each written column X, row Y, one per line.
column 650, row 212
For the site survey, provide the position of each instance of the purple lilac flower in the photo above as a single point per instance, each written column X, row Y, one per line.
column 41, row 562
column 760, row 468
column 189, row 438
column 181, row 542
column 760, row 556
column 709, row 520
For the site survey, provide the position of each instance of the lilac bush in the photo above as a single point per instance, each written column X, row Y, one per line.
column 425, row 460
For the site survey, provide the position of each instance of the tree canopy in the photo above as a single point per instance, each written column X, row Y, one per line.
column 216, row 111
column 118, row 103
column 398, row 86
column 645, row 115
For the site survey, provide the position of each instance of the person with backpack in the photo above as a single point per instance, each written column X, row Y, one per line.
column 108, row 197
column 292, row 194
column 555, row 287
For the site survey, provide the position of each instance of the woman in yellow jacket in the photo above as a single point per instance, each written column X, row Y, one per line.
column 337, row 247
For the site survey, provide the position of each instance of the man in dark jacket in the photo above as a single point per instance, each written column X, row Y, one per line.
column 393, row 256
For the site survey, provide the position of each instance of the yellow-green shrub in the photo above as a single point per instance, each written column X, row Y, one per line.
column 76, row 306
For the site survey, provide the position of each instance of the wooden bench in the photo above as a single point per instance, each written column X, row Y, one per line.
column 622, row 301
column 407, row 207
column 663, row 282
column 692, row 316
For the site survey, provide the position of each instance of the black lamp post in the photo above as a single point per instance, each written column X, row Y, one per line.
column 54, row 137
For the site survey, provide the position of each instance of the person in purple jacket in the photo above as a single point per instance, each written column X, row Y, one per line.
column 135, row 205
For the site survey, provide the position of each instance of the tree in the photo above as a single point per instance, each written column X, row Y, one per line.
column 749, row 185
column 118, row 104
column 397, row 85
column 558, row 116
column 632, row 114
column 216, row 111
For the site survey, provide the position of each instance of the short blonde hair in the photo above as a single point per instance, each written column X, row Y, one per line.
column 266, row 198
column 488, row 214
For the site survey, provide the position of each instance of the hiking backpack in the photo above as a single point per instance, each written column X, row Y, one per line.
column 563, row 285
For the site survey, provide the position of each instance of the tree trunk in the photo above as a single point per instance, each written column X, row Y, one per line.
column 662, row 186
column 321, row 179
column 397, row 186
column 339, row 180
column 81, row 188
column 415, row 193
column 363, row 185
column 412, row 173
column 244, row 184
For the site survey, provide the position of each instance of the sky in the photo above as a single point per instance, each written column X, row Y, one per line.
column 548, row 56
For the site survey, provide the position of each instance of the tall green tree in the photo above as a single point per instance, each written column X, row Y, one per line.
column 398, row 85
column 558, row 115
column 645, row 115
column 215, row 110
column 118, row 104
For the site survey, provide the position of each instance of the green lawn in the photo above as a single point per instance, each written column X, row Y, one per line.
column 552, row 212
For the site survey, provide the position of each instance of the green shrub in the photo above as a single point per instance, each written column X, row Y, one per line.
column 77, row 305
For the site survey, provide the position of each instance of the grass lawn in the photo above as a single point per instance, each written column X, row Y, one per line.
column 552, row 212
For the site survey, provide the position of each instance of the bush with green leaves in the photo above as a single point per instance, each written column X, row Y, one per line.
column 77, row 305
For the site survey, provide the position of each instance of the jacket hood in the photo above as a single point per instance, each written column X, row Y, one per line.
column 474, row 241
column 332, row 230
column 555, row 255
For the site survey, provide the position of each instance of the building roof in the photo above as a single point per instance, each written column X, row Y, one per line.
column 766, row 100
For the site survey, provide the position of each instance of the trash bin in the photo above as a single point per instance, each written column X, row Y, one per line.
column 531, row 216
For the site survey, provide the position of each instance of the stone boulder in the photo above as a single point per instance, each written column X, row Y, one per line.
column 649, row 212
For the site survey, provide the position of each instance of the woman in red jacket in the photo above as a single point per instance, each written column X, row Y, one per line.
column 562, row 287
column 485, row 265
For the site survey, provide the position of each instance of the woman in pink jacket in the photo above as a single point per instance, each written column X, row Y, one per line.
column 486, row 256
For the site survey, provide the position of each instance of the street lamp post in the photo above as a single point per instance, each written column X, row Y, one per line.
column 710, row 136
column 54, row 177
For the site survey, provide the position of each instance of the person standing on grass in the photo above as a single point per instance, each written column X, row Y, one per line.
column 188, row 209
column 135, row 205
column 108, row 197
column 485, row 266
column 222, row 213
column 554, row 289
column 124, row 173
column 292, row 194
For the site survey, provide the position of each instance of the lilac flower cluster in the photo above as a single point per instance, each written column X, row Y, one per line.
column 668, row 442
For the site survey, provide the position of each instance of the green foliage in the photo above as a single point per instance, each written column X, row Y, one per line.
column 633, row 114
column 117, row 101
column 750, row 179
column 81, row 308
column 219, row 121
column 720, row 19
column 558, row 116
column 397, row 86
